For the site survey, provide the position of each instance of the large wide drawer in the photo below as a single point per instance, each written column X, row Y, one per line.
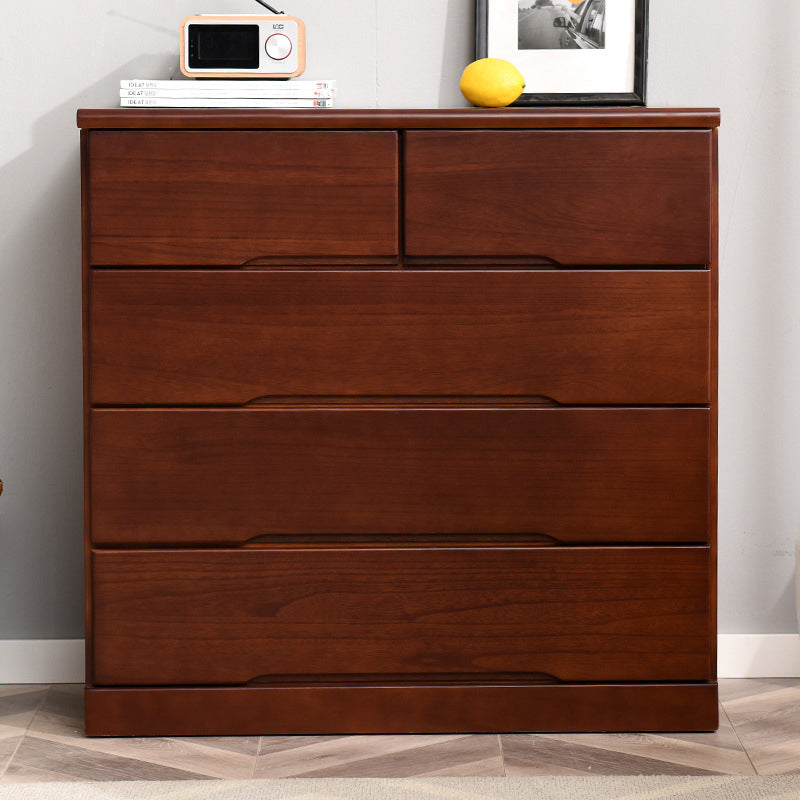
column 232, row 617
column 214, row 197
column 166, row 477
column 575, row 197
column 214, row 337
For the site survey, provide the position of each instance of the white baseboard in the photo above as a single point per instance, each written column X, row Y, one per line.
column 771, row 655
column 61, row 660
column 41, row 660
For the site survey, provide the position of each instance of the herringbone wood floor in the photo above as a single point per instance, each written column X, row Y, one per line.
column 41, row 739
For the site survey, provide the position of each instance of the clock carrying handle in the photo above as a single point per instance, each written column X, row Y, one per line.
column 267, row 5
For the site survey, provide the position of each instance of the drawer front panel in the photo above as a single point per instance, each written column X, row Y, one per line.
column 214, row 337
column 197, row 198
column 166, row 477
column 232, row 617
column 580, row 197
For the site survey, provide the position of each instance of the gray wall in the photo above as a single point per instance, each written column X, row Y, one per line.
column 388, row 54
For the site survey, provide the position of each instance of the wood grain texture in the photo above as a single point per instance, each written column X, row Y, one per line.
column 401, row 709
column 583, row 197
column 215, row 337
column 372, row 118
column 178, row 477
column 197, row 617
column 198, row 198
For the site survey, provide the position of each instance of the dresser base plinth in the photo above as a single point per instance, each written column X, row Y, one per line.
column 397, row 709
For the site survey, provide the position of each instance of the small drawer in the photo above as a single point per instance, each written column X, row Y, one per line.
column 348, row 614
column 182, row 477
column 575, row 198
column 193, row 337
column 229, row 197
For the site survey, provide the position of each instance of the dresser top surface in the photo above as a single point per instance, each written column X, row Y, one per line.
column 407, row 119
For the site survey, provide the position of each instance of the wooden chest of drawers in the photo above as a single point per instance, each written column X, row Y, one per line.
column 400, row 421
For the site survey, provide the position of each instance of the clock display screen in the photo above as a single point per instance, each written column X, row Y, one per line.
column 223, row 46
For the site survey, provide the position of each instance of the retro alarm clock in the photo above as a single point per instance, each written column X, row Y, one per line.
column 243, row 46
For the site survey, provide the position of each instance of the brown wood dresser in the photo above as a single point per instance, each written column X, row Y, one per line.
column 400, row 421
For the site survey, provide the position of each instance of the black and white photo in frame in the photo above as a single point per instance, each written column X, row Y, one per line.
column 571, row 52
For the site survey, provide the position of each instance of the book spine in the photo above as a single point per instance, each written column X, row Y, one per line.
column 223, row 102
column 305, row 94
column 194, row 85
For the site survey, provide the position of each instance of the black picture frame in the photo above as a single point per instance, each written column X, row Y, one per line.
column 635, row 98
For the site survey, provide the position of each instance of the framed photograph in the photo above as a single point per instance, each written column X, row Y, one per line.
column 571, row 52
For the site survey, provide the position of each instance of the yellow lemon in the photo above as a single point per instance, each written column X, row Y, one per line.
column 491, row 83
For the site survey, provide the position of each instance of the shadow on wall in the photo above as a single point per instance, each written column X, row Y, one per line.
column 41, row 554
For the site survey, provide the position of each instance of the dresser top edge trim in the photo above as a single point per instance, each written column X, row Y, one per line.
column 393, row 119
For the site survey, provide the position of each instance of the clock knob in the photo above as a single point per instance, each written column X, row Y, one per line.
column 278, row 46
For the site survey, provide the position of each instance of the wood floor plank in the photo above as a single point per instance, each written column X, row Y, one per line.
column 530, row 754
column 719, row 752
column 8, row 746
column 72, row 762
column 60, row 721
column 190, row 758
column 767, row 721
column 382, row 756
column 279, row 744
column 16, row 773
column 242, row 745
column 9, row 690
column 488, row 768
column 739, row 688
column 61, row 712
column 18, row 706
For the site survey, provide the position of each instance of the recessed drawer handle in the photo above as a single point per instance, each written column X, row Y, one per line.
column 416, row 679
column 456, row 263
column 540, row 400
column 258, row 261
column 414, row 402
column 546, row 260
column 366, row 540
column 318, row 262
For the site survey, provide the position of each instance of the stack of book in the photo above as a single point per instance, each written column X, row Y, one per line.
column 138, row 93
